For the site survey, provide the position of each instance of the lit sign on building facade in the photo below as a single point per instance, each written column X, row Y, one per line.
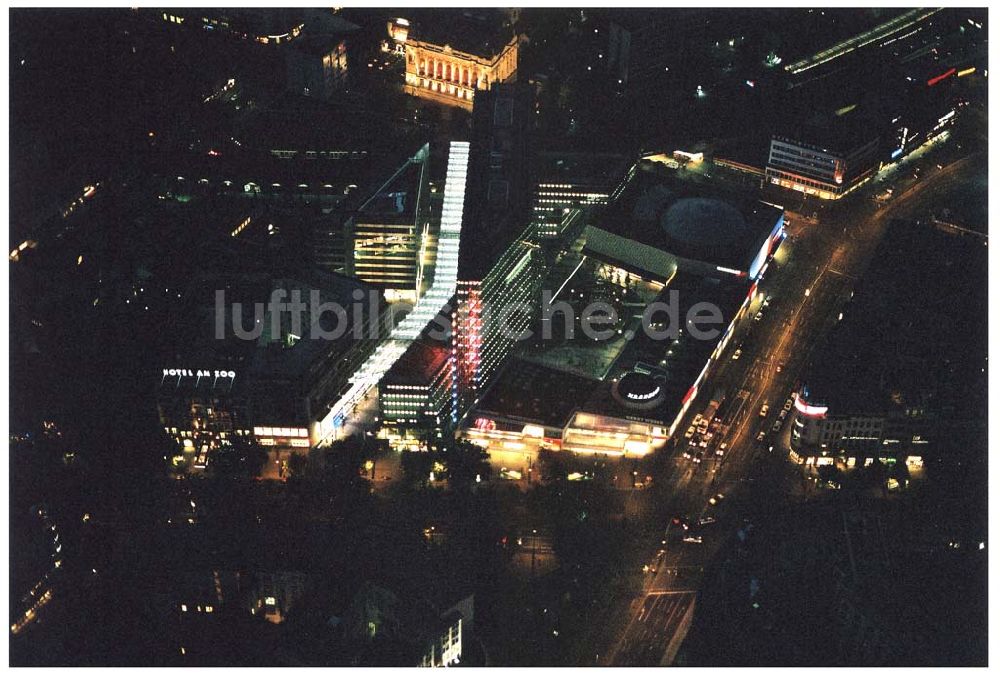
column 185, row 372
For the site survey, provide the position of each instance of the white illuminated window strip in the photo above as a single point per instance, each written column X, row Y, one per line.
column 442, row 288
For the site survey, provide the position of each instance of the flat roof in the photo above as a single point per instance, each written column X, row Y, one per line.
column 832, row 132
column 580, row 168
column 536, row 393
column 498, row 190
column 419, row 364
column 690, row 221
column 548, row 395
column 481, row 31
column 679, row 370
column 249, row 280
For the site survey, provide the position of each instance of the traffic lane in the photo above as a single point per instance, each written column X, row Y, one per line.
column 822, row 253
column 768, row 385
column 769, row 343
column 794, row 343
column 648, row 637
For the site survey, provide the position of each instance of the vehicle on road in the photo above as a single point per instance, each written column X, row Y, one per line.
column 737, row 354
column 718, row 397
column 706, row 520
column 760, row 315
column 695, row 539
column 761, row 435
column 721, row 450
column 763, row 410
column 716, row 499
column 777, row 425
column 690, row 432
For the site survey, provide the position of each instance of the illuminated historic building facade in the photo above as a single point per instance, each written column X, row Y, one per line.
column 450, row 76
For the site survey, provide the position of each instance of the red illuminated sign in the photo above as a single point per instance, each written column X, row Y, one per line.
column 808, row 410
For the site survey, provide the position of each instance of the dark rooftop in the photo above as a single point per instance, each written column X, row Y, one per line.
column 542, row 394
column 498, row 191
column 832, row 131
column 587, row 169
column 536, row 393
column 419, row 364
column 690, row 221
column 248, row 279
column 688, row 356
column 481, row 31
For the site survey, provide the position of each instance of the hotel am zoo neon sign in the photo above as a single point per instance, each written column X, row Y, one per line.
column 181, row 373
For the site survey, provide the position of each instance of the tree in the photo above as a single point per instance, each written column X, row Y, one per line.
column 241, row 458
column 416, row 467
column 464, row 461
column 297, row 465
column 342, row 462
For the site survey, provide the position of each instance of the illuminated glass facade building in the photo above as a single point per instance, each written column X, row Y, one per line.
column 415, row 394
column 271, row 384
column 387, row 238
column 827, row 170
column 569, row 181
column 491, row 314
column 385, row 252
column 500, row 265
column 443, row 284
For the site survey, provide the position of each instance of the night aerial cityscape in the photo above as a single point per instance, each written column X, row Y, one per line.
column 434, row 337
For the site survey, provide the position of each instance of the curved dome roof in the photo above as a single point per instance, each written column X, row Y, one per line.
column 704, row 222
column 638, row 390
